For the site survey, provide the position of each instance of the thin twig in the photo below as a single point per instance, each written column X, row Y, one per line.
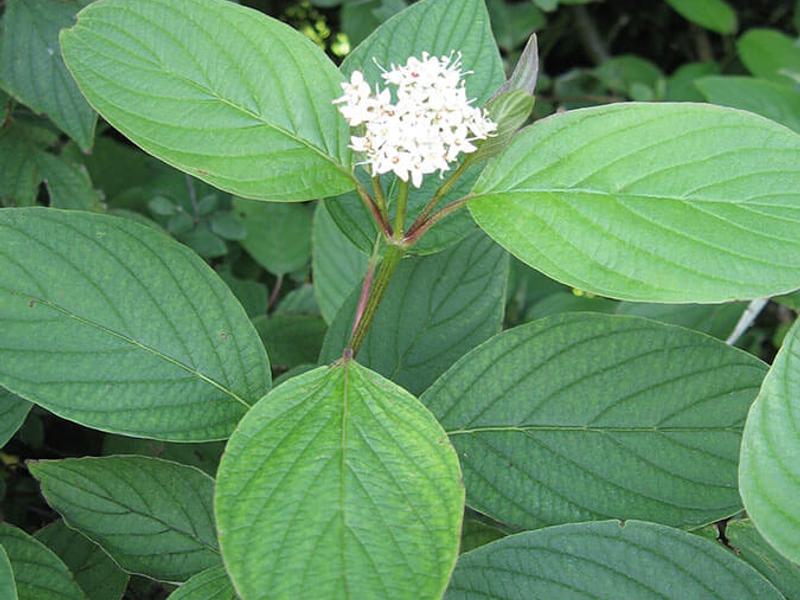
column 273, row 297
column 415, row 233
column 749, row 316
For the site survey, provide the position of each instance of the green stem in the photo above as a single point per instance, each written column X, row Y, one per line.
column 374, row 292
column 400, row 213
column 443, row 190
column 418, row 231
column 377, row 215
column 380, row 198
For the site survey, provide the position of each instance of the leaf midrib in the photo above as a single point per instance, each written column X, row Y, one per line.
column 589, row 429
column 165, row 357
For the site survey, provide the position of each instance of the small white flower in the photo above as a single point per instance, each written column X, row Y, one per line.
column 425, row 130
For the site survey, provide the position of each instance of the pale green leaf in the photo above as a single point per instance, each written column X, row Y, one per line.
column 39, row 573
column 609, row 559
column 13, row 411
column 339, row 484
column 769, row 474
column 746, row 542
column 152, row 516
column 218, row 90
column 434, row 310
column 32, row 68
column 775, row 101
column 770, row 54
column 98, row 576
column 113, row 325
column 211, row 584
column 588, row 416
column 337, row 265
column 716, row 15
column 510, row 111
column 8, row 587
column 651, row 202
column 278, row 236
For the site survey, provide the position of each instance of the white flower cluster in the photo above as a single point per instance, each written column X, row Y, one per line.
column 425, row 130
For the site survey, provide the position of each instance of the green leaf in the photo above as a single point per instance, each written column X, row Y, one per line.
column 681, row 84
column 251, row 294
column 203, row 456
column 435, row 309
column 359, row 19
column 218, row 90
column 620, row 73
column 211, row 584
column 292, row 339
column 562, row 302
column 38, row 572
column 752, row 548
column 338, row 483
column 152, row 516
column 476, row 533
column 589, row 416
column 775, row 101
column 338, row 266
column 69, row 185
column 8, row 587
column 438, row 27
column 97, row 575
column 278, row 236
column 717, row 320
column 113, row 325
column 770, row 54
column 651, row 202
column 20, row 167
column 716, row 15
column 228, row 226
column 605, row 560
column 13, row 411
column 769, row 474
column 32, row 68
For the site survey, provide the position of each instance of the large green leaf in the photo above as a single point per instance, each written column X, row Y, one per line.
column 770, row 54
column 8, row 587
column 652, row 202
column 98, row 576
column 278, row 235
column 337, row 265
column 113, row 325
column 152, row 516
column 438, row 27
column 339, row 484
column 769, row 474
column 775, row 101
column 13, row 411
column 38, row 572
column 583, row 417
column 220, row 91
column 435, row 309
column 68, row 185
column 211, row 584
column 32, row 68
column 716, row 15
column 605, row 560
column 746, row 542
